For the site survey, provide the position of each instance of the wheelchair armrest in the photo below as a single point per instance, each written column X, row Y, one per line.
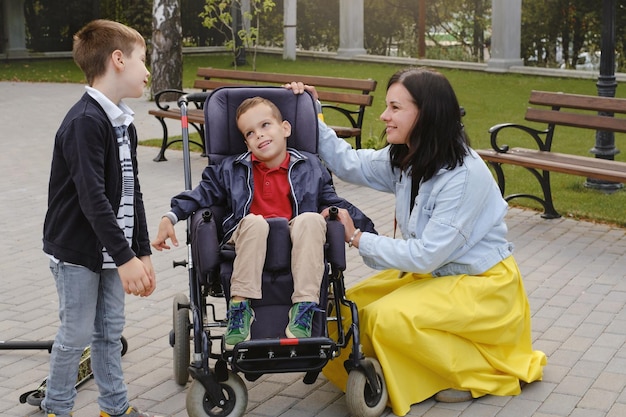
column 335, row 245
column 205, row 244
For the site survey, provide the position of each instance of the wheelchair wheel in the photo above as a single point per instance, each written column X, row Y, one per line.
column 361, row 400
column 199, row 404
column 181, row 342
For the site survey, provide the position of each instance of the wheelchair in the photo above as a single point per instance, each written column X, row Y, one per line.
column 199, row 352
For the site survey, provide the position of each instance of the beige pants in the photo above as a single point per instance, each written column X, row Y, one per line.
column 308, row 235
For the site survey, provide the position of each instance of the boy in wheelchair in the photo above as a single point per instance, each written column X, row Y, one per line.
column 269, row 180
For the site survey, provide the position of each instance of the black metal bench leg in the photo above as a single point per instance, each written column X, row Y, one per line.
column 497, row 168
column 161, row 155
column 549, row 212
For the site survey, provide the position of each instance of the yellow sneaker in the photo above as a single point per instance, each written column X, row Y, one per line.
column 131, row 412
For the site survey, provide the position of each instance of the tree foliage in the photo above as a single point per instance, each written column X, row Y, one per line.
column 620, row 34
column 385, row 23
column 51, row 24
column 466, row 22
column 238, row 20
column 554, row 32
column 322, row 32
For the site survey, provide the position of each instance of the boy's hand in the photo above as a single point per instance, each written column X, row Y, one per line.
column 147, row 261
column 137, row 277
column 299, row 88
column 166, row 231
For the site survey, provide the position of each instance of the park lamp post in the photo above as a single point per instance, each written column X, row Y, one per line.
column 605, row 141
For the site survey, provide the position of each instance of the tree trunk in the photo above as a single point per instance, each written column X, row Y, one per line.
column 167, row 48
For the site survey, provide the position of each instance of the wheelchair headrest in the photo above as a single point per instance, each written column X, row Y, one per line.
column 224, row 139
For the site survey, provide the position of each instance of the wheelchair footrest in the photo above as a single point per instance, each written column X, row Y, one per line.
column 263, row 356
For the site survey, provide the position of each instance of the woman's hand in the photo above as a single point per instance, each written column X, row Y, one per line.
column 299, row 88
column 348, row 224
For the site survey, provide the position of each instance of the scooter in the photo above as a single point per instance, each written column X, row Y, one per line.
column 36, row 396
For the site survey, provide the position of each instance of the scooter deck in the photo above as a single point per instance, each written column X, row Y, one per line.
column 35, row 397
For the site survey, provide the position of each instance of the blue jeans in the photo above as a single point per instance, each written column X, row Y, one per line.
column 91, row 311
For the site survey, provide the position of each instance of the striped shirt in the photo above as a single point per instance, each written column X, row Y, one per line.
column 121, row 116
column 125, row 212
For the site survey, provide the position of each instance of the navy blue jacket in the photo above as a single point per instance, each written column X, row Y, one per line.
column 85, row 190
column 230, row 184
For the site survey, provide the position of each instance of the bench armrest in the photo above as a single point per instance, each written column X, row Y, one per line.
column 158, row 97
column 543, row 138
column 349, row 114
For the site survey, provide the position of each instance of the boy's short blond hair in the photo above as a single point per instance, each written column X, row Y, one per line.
column 248, row 103
column 97, row 40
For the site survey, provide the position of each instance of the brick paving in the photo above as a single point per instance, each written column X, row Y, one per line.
column 574, row 272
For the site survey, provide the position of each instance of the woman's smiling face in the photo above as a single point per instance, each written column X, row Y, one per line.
column 400, row 114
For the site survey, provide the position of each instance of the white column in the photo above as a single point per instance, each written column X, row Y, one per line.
column 506, row 22
column 289, row 29
column 15, row 25
column 350, row 28
column 245, row 15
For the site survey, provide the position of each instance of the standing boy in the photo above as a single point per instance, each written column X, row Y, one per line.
column 95, row 231
column 269, row 180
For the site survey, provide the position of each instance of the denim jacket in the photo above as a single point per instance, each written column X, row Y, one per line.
column 457, row 222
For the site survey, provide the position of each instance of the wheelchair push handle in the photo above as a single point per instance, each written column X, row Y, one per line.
column 195, row 97
column 333, row 212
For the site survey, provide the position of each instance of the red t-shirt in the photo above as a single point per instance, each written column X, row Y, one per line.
column 272, row 193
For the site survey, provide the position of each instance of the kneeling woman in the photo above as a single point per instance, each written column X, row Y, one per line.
column 449, row 315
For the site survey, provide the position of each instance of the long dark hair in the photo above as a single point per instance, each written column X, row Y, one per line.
column 438, row 140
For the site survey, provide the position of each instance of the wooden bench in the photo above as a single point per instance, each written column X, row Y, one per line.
column 587, row 112
column 347, row 96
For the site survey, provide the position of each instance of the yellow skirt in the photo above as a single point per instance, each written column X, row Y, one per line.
column 465, row 332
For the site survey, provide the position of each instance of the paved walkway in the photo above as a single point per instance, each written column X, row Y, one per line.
column 574, row 274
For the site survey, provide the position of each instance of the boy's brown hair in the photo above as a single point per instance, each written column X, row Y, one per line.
column 248, row 103
column 96, row 41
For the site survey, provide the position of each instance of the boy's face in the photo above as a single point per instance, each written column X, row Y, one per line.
column 265, row 136
column 135, row 74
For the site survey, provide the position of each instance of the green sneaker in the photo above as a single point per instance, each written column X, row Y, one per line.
column 301, row 320
column 240, row 317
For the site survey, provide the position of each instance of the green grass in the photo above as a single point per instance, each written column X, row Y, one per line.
column 488, row 98
column 193, row 136
column 41, row 70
